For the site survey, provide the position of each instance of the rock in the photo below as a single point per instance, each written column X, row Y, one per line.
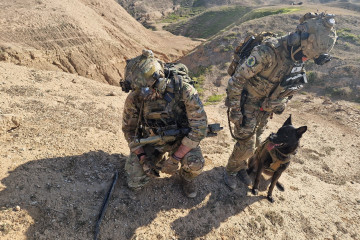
column 17, row 208
column 327, row 101
column 9, row 122
column 111, row 94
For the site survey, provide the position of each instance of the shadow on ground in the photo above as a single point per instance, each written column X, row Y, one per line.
column 64, row 196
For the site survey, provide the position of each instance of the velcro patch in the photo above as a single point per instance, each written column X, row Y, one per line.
column 250, row 61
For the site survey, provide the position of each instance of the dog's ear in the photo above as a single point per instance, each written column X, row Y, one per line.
column 288, row 121
column 300, row 131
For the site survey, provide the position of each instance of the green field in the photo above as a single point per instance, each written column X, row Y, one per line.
column 207, row 23
column 259, row 13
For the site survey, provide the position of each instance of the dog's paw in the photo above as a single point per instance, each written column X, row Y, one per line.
column 255, row 191
column 270, row 198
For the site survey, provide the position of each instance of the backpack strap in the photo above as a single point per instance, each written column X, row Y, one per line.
column 177, row 82
column 178, row 85
column 174, row 89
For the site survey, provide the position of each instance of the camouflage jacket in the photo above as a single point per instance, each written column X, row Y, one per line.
column 185, row 110
column 261, row 72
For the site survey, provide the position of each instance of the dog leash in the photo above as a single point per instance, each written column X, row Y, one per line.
column 231, row 132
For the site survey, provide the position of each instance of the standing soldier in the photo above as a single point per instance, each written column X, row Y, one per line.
column 263, row 81
column 162, row 114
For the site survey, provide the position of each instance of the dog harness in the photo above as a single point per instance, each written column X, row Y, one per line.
column 278, row 158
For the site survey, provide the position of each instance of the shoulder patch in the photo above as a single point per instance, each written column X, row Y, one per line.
column 250, row 61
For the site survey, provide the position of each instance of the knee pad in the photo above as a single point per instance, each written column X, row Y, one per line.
column 193, row 161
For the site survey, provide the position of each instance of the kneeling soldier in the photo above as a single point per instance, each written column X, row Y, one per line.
column 163, row 122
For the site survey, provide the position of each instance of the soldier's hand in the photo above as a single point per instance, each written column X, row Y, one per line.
column 266, row 105
column 279, row 109
column 171, row 165
column 149, row 167
column 276, row 106
column 236, row 115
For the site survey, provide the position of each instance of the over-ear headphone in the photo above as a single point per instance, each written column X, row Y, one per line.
column 294, row 39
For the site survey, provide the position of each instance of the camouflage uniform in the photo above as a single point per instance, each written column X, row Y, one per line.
column 260, row 74
column 184, row 110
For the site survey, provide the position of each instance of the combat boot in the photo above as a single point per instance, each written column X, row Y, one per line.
column 230, row 180
column 244, row 177
column 189, row 188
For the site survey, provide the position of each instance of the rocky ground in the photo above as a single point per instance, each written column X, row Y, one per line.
column 61, row 143
column 61, row 139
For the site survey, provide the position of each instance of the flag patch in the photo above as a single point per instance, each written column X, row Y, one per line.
column 250, row 61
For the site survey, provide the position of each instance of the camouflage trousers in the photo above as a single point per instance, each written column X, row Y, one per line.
column 253, row 126
column 191, row 164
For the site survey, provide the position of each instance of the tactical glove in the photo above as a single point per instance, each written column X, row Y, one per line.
column 171, row 165
column 236, row 115
column 276, row 106
column 279, row 109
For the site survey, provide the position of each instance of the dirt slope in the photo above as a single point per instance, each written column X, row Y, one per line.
column 56, row 167
column 88, row 38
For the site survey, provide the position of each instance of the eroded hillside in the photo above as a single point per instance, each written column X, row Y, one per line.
column 91, row 38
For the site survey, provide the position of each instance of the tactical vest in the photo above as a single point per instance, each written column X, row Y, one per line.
column 167, row 113
column 265, row 82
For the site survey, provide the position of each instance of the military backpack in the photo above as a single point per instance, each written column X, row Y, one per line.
column 172, row 70
column 244, row 49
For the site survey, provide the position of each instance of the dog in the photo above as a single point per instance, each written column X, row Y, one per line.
column 273, row 155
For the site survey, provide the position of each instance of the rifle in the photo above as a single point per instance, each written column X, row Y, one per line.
column 284, row 90
column 241, row 52
column 245, row 50
column 288, row 86
column 173, row 134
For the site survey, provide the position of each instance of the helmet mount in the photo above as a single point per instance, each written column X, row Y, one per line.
column 140, row 71
column 314, row 36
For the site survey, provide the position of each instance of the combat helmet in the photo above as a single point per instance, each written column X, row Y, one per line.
column 316, row 36
column 140, row 72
